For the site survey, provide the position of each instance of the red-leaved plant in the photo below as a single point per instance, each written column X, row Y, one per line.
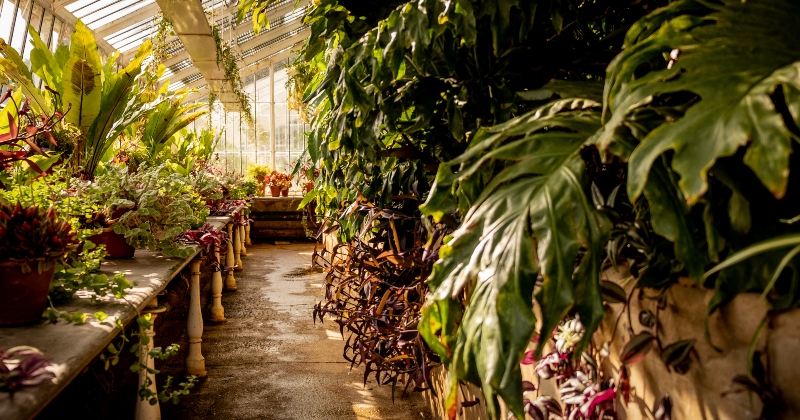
column 33, row 234
column 23, row 366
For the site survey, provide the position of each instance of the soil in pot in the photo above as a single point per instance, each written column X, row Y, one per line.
column 116, row 246
column 275, row 190
column 23, row 296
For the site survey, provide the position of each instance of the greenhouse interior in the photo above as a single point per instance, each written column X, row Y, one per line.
column 396, row 210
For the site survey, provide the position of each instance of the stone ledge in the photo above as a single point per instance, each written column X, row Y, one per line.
column 71, row 347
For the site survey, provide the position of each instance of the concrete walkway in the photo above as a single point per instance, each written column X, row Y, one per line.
column 270, row 361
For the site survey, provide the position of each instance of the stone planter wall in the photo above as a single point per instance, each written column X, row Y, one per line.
column 704, row 391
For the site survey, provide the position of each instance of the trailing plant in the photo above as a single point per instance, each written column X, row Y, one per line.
column 301, row 73
column 136, row 341
column 226, row 58
column 162, row 204
column 80, row 273
column 375, row 288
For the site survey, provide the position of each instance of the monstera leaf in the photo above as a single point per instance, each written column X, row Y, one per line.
column 740, row 59
column 532, row 218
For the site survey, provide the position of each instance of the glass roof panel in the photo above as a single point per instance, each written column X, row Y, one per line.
column 118, row 10
column 119, row 14
column 130, row 30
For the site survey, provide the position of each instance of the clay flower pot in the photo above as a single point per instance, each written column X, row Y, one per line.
column 23, row 296
column 116, row 246
column 275, row 190
column 285, row 193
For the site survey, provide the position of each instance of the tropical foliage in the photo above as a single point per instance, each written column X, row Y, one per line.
column 565, row 138
column 99, row 99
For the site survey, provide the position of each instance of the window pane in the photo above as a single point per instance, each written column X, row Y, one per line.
column 47, row 28
column 21, row 26
column 36, row 23
column 55, row 39
column 6, row 16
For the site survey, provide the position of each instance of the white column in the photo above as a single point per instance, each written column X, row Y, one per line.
column 272, row 136
column 145, row 411
column 237, row 246
column 195, row 362
column 247, row 239
column 230, row 260
column 217, row 311
column 242, row 239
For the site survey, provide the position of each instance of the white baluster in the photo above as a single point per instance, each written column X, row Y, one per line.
column 217, row 311
column 145, row 411
column 242, row 239
column 195, row 362
column 237, row 247
column 247, row 239
column 230, row 261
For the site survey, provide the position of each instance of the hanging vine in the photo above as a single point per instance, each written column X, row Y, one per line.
column 229, row 63
column 301, row 74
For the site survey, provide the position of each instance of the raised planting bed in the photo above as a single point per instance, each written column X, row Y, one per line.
column 71, row 347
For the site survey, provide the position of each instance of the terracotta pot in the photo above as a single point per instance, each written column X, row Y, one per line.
column 309, row 186
column 285, row 193
column 116, row 246
column 23, row 296
column 275, row 190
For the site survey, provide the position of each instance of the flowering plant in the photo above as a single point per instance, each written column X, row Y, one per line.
column 278, row 179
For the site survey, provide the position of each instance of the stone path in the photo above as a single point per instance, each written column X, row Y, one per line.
column 270, row 361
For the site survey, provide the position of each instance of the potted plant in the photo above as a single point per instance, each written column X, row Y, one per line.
column 279, row 183
column 258, row 174
column 116, row 246
column 32, row 239
column 163, row 205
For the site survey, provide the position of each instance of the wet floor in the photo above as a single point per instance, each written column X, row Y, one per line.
column 270, row 361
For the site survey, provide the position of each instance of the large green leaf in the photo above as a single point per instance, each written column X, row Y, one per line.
column 532, row 217
column 118, row 110
column 12, row 66
column 45, row 65
column 168, row 118
column 733, row 55
column 82, row 92
column 82, row 84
